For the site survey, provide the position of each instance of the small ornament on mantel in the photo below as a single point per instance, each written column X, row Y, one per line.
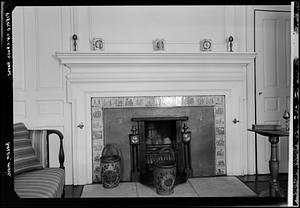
column 158, row 44
column 97, row 44
column 75, row 38
column 286, row 116
column 230, row 40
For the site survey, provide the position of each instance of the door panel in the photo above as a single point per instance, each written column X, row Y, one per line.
column 272, row 44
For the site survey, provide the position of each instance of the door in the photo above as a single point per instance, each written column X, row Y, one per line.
column 272, row 44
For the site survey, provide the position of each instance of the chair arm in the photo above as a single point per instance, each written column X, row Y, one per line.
column 61, row 155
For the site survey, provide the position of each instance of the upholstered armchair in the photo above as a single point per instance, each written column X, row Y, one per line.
column 33, row 178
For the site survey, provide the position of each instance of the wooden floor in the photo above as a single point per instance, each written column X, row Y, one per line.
column 257, row 183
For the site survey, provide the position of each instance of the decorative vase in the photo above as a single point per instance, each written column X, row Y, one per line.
column 110, row 167
column 165, row 174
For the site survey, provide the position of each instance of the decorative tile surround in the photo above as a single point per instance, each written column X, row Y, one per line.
column 99, row 103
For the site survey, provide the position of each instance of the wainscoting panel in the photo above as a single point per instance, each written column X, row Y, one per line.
column 49, row 34
column 39, row 80
column 51, row 107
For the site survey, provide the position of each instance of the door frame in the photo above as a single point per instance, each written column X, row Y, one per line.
column 250, row 46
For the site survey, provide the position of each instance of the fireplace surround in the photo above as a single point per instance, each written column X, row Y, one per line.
column 113, row 117
column 161, row 74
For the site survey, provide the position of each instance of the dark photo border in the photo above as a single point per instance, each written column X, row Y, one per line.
column 10, row 199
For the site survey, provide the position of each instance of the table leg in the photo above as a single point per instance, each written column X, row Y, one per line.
column 274, row 167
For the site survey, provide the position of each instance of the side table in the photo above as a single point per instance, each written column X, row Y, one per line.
column 274, row 135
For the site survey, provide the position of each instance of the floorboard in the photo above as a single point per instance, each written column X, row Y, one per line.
column 257, row 183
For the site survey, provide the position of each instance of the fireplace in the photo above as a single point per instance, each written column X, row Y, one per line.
column 156, row 119
column 100, row 82
column 157, row 139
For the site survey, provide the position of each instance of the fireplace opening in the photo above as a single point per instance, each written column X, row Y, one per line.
column 160, row 139
column 160, row 132
column 158, row 135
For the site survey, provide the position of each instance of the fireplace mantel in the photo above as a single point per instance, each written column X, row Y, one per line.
column 94, row 67
column 94, row 57
column 101, row 74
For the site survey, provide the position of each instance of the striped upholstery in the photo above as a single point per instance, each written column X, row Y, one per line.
column 39, row 143
column 24, row 155
column 45, row 183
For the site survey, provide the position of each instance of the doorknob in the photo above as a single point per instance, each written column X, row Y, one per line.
column 260, row 93
column 235, row 121
column 80, row 125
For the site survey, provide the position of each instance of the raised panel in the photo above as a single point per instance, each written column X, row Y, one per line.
column 136, row 27
column 288, row 100
column 270, row 52
column 18, row 49
column 49, row 40
column 82, row 27
column 50, row 107
column 271, row 104
column 288, row 52
column 19, row 108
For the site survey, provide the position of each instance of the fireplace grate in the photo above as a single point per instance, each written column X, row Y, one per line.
column 153, row 155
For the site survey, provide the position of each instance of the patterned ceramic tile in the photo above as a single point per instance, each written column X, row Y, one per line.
column 220, row 119
column 97, row 155
column 220, row 130
column 219, row 100
column 220, row 151
column 96, row 135
column 119, row 102
column 178, row 101
column 128, row 102
column 210, row 100
column 140, row 101
column 185, row 101
column 97, row 113
column 168, row 101
column 220, row 141
column 97, row 145
column 157, row 101
column 219, row 110
column 149, row 101
column 221, row 163
column 200, row 100
column 191, row 101
column 94, row 102
column 221, row 171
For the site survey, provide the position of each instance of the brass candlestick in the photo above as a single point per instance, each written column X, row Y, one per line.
column 230, row 39
column 75, row 38
column 286, row 116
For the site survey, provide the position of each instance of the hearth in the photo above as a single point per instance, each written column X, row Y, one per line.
column 151, row 140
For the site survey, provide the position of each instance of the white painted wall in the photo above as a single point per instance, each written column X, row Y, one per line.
column 38, row 32
column 182, row 27
column 38, row 79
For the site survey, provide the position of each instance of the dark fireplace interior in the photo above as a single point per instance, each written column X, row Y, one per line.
column 158, row 134
column 160, row 139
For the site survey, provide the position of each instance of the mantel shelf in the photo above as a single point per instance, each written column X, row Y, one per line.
column 96, row 57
